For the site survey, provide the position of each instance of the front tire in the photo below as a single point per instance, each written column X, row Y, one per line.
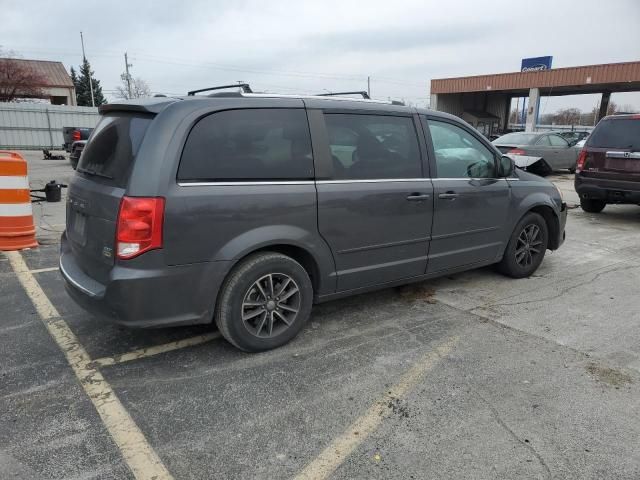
column 526, row 248
column 264, row 303
column 592, row 206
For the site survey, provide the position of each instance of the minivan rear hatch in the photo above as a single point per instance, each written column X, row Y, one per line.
column 613, row 149
column 100, row 183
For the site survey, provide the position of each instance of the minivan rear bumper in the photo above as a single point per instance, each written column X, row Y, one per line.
column 153, row 296
column 612, row 191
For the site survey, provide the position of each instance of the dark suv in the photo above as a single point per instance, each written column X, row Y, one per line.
column 608, row 168
column 247, row 208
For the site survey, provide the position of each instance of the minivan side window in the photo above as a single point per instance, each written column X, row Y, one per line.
column 248, row 144
column 373, row 146
column 458, row 153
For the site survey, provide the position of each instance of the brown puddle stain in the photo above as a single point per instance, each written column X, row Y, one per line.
column 418, row 293
column 608, row 375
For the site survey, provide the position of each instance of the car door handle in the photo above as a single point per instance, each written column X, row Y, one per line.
column 448, row 195
column 418, row 197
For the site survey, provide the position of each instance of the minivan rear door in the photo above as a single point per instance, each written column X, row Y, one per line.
column 375, row 203
column 95, row 192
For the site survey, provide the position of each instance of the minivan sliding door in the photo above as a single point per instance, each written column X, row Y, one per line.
column 374, row 204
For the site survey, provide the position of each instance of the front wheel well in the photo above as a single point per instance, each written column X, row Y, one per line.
column 553, row 225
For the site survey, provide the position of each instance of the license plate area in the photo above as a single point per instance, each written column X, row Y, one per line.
column 78, row 227
column 622, row 164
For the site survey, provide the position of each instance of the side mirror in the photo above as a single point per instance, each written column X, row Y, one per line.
column 506, row 166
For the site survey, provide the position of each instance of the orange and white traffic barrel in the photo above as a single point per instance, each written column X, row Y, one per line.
column 17, row 229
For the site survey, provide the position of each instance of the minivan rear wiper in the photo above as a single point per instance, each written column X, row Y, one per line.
column 93, row 172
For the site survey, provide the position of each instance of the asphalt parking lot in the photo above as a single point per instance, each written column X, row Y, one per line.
column 469, row 376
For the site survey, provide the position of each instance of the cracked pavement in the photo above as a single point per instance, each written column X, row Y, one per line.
column 543, row 381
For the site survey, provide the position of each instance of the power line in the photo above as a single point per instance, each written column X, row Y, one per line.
column 283, row 73
column 154, row 59
column 235, row 68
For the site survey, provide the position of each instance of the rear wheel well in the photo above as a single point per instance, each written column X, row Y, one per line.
column 300, row 255
column 552, row 224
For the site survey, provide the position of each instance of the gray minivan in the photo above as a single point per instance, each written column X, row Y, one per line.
column 245, row 209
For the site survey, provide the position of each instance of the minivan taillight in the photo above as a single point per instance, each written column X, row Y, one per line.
column 76, row 135
column 582, row 158
column 139, row 226
column 516, row 151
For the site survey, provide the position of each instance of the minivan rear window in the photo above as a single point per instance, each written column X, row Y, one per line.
column 616, row 133
column 111, row 150
column 248, row 144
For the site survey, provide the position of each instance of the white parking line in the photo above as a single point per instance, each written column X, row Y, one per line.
column 137, row 452
column 43, row 270
column 340, row 448
column 155, row 350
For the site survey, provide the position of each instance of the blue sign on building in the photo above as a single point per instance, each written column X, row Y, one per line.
column 536, row 64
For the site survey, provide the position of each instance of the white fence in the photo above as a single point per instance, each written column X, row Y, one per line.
column 34, row 126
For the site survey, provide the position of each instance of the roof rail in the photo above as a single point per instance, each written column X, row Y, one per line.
column 364, row 94
column 243, row 86
column 323, row 97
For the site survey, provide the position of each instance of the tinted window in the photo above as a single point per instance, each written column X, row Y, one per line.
column 250, row 144
column 373, row 146
column 459, row 154
column 557, row 141
column 516, row 139
column 110, row 152
column 619, row 133
column 544, row 141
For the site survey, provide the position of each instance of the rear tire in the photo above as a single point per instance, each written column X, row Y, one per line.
column 526, row 248
column 592, row 206
column 264, row 302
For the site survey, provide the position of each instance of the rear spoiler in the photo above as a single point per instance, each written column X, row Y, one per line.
column 150, row 105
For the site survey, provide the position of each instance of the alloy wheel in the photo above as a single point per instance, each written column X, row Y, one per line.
column 271, row 305
column 528, row 245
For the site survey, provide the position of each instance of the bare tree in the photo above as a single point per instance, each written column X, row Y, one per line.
column 17, row 79
column 567, row 116
column 137, row 86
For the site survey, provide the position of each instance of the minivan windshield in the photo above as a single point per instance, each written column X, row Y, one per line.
column 616, row 133
column 112, row 147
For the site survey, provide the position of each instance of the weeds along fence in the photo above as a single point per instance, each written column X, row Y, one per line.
column 34, row 126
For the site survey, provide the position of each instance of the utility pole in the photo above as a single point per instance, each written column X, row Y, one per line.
column 84, row 58
column 127, row 75
column 369, row 86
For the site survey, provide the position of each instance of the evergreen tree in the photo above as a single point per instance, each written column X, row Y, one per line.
column 83, row 88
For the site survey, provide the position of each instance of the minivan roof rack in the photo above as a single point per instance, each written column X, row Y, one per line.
column 243, row 86
column 364, row 94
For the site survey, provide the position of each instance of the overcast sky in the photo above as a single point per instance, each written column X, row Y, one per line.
column 311, row 47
